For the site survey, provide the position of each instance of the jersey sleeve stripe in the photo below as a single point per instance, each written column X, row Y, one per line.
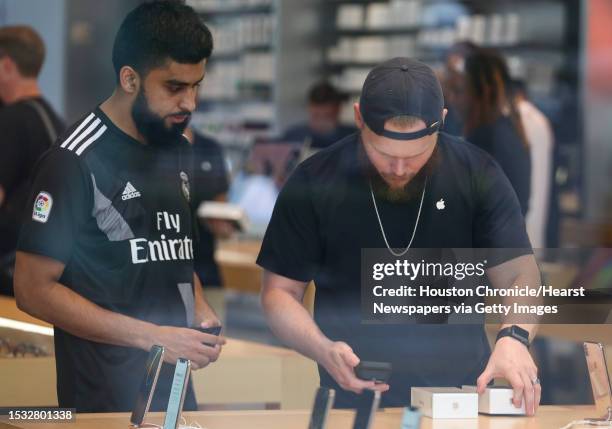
column 92, row 139
column 84, row 134
column 78, row 130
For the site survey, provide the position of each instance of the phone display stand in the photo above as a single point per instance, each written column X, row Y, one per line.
column 601, row 384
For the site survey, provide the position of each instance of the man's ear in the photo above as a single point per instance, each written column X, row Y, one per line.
column 129, row 80
column 7, row 66
column 358, row 118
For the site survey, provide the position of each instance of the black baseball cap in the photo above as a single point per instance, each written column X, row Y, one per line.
column 401, row 87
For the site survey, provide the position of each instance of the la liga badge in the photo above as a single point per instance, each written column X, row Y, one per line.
column 42, row 207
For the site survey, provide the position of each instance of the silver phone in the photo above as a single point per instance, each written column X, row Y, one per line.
column 147, row 385
column 177, row 393
column 600, row 380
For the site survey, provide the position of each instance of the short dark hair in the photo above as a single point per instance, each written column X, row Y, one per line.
column 25, row 47
column 157, row 31
column 323, row 93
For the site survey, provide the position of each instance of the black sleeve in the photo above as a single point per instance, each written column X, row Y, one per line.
column 210, row 172
column 60, row 202
column 219, row 182
column 292, row 246
column 498, row 223
column 13, row 152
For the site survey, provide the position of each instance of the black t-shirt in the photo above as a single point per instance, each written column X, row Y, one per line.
column 501, row 140
column 117, row 214
column 210, row 181
column 324, row 216
column 25, row 136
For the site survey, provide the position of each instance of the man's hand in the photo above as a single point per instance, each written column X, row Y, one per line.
column 339, row 361
column 511, row 360
column 188, row 344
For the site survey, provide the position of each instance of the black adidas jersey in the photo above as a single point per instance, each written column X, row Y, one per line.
column 117, row 213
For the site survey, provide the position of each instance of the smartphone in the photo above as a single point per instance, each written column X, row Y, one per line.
column 379, row 372
column 600, row 380
column 367, row 405
column 177, row 393
column 213, row 330
column 147, row 385
column 324, row 400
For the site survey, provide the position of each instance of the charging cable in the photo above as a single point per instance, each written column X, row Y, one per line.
column 601, row 423
column 192, row 425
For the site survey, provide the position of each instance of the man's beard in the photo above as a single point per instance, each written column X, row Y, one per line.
column 401, row 194
column 152, row 127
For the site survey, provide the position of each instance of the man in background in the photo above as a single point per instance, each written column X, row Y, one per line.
column 28, row 127
column 210, row 184
column 323, row 127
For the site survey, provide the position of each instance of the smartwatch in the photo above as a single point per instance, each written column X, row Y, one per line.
column 515, row 332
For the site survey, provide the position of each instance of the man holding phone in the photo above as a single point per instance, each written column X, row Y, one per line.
column 106, row 252
column 398, row 183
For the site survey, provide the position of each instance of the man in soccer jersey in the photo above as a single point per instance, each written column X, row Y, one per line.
column 106, row 250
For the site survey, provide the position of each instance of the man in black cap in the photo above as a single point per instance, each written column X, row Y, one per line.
column 398, row 183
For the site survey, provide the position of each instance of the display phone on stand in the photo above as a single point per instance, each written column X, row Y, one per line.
column 367, row 405
column 147, row 385
column 177, row 393
column 600, row 383
column 324, row 400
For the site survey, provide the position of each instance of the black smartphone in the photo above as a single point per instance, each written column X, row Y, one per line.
column 379, row 372
column 367, row 405
column 213, row 330
column 147, row 385
column 324, row 400
column 177, row 394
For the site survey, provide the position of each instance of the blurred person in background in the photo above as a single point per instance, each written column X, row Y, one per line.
column 541, row 140
column 323, row 127
column 28, row 127
column 491, row 119
column 210, row 184
column 452, row 81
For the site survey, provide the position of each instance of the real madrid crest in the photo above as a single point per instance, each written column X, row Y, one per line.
column 185, row 185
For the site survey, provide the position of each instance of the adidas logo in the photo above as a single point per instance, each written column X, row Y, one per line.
column 129, row 192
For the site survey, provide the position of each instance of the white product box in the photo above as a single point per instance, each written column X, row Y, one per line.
column 496, row 400
column 445, row 402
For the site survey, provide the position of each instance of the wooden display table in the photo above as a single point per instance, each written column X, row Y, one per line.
column 548, row 417
column 236, row 261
